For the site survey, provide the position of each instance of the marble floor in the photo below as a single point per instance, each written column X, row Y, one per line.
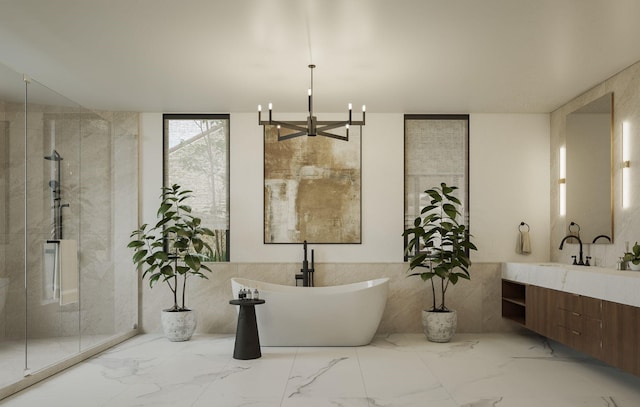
column 474, row 370
column 42, row 352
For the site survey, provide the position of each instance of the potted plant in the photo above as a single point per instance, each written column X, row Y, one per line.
column 633, row 257
column 440, row 244
column 170, row 252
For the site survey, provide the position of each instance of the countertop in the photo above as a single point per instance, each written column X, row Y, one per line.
column 621, row 286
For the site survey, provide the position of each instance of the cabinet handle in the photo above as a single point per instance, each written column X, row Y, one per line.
column 576, row 333
column 577, row 314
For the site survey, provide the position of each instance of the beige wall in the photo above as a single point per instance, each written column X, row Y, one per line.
column 509, row 164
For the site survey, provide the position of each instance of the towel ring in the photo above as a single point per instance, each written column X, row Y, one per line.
column 576, row 225
column 523, row 224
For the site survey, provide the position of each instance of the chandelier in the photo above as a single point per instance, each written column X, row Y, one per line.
column 312, row 126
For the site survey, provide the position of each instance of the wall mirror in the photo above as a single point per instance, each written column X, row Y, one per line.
column 589, row 171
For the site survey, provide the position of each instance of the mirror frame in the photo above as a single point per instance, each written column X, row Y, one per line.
column 568, row 221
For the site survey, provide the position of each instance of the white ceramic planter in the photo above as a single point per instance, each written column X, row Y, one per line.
column 634, row 267
column 178, row 326
column 439, row 326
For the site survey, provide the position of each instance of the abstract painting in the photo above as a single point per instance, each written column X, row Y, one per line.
column 312, row 188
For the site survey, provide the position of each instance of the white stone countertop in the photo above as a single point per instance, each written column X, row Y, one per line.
column 621, row 286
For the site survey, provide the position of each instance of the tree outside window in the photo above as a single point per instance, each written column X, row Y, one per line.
column 196, row 156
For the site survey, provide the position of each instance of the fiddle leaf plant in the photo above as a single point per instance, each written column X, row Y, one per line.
column 440, row 242
column 175, row 248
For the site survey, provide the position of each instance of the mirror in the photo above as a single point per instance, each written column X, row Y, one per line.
column 589, row 171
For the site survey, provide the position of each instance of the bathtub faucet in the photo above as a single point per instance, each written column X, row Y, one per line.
column 306, row 272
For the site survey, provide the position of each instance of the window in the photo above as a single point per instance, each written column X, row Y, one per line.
column 196, row 156
column 436, row 150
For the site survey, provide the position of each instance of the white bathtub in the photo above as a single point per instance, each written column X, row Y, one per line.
column 343, row 315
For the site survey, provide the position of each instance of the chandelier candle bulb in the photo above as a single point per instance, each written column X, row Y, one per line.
column 312, row 126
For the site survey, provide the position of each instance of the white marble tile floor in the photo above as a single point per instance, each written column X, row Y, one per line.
column 474, row 370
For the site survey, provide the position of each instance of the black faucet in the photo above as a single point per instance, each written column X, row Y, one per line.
column 306, row 272
column 601, row 237
column 580, row 260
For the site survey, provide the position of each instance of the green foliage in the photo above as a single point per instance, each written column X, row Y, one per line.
column 441, row 243
column 634, row 255
column 174, row 249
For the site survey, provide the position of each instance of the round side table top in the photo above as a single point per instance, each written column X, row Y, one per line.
column 246, row 302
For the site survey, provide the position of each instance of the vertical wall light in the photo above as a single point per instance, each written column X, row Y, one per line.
column 562, row 181
column 626, row 164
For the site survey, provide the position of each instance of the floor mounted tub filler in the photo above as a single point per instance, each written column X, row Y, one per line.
column 343, row 315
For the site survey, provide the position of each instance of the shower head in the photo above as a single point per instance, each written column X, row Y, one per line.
column 55, row 156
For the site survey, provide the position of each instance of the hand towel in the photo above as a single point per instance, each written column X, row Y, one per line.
column 69, row 277
column 523, row 245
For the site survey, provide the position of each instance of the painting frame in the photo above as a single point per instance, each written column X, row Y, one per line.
column 312, row 189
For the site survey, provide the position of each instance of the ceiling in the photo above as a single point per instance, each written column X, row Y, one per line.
column 410, row 56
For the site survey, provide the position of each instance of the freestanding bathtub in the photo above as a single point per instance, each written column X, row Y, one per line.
column 343, row 315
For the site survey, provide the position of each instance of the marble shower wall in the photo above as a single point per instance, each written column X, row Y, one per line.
column 477, row 301
column 99, row 181
column 626, row 108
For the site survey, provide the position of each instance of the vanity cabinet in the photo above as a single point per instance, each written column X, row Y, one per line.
column 577, row 321
column 536, row 310
column 514, row 301
column 621, row 336
column 605, row 330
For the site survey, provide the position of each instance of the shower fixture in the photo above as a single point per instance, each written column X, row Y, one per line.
column 54, row 184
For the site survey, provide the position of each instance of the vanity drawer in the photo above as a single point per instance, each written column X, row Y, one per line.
column 579, row 304
column 583, row 341
column 574, row 321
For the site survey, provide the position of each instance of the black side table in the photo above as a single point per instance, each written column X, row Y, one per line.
column 247, row 341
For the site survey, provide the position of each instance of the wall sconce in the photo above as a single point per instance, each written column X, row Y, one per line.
column 626, row 164
column 562, row 181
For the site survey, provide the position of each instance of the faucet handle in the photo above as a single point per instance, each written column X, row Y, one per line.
column 575, row 263
column 586, row 263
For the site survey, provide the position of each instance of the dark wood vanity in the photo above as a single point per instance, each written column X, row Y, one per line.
column 605, row 330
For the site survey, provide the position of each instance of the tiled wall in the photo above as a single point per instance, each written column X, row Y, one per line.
column 477, row 301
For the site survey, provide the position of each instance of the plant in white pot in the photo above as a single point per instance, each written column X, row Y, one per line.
column 633, row 258
column 440, row 244
column 170, row 252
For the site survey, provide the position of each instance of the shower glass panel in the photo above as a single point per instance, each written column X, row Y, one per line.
column 52, row 222
column 13, row 308
column 68, row 201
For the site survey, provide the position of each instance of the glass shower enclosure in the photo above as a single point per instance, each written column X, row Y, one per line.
column 68, row 201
